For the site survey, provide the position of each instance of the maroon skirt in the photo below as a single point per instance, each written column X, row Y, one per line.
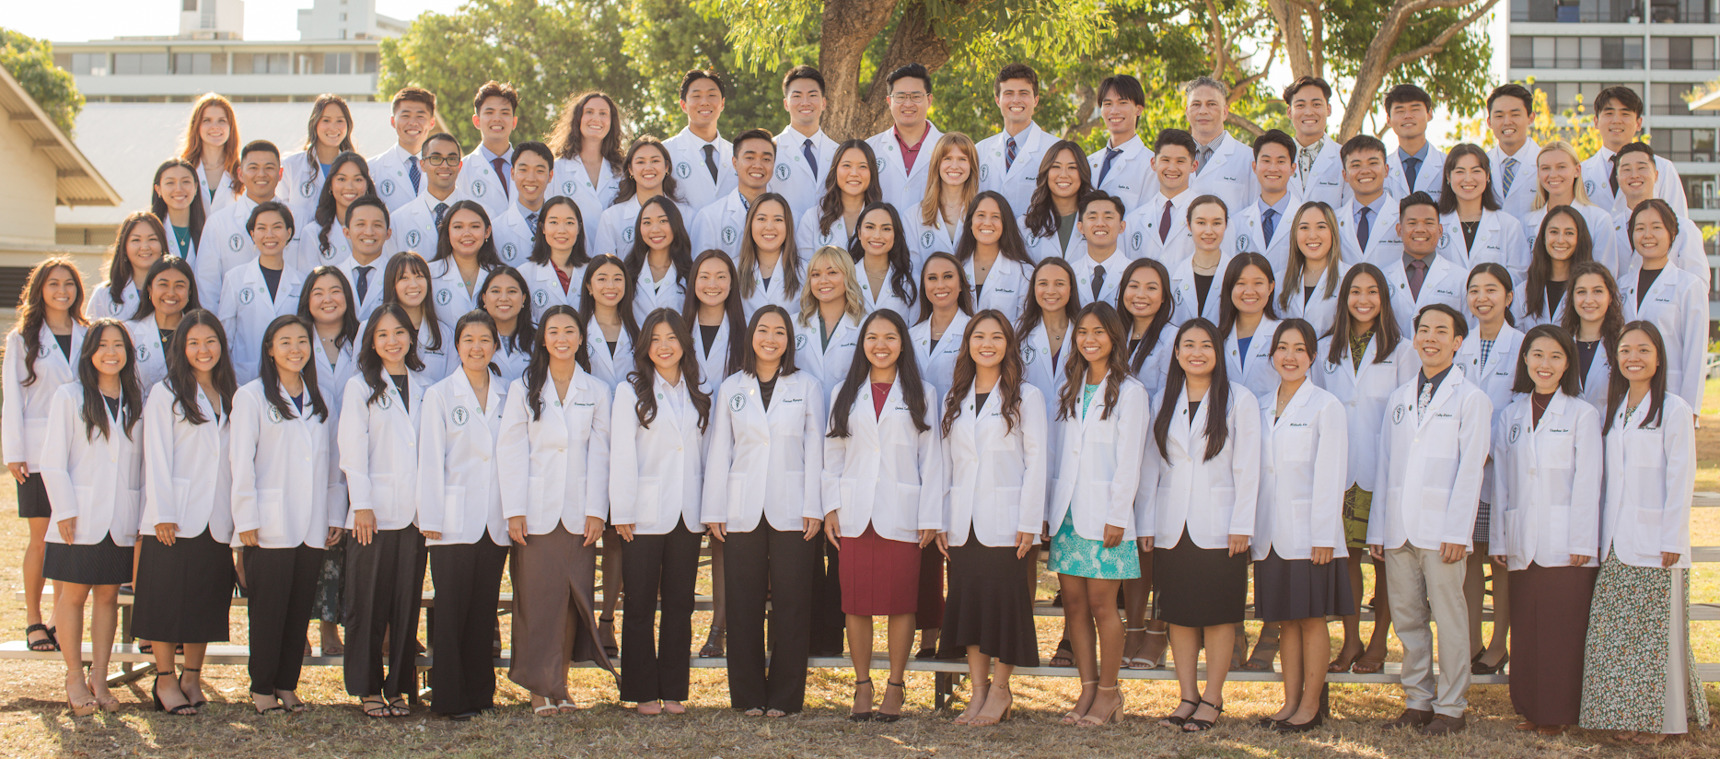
column 880, row 577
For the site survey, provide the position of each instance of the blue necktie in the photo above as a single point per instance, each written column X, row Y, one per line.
column 413, row 173
column 441, row 208
column 1105, row 168
column 811, row 156
column 1411, row 168
column 1268, row 223
column 1362, row 226
column 1510, row 174
column 363, row 283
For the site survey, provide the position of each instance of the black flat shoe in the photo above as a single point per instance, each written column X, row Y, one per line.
column 1267, row 723
column 1289, row 728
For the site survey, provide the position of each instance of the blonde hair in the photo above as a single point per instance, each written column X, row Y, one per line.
column 1579, row 192
column 855, row 307
column 931, row 207
column 191, row 145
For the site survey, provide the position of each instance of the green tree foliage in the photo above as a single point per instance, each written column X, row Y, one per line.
column 31, row 62
column 1456, row 76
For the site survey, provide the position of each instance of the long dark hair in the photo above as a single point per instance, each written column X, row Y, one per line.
column 397, row 266
column 1217, row 394
column 680, row 245
column 830, row 207
column 158, row 204
column 1498, row 272
column 182, row 378
column 541, row 253
column 566, row 140
column 749, row 360
column 33, row 310
column 1571, row 383
column 486, row 255
column 1619, row 387
column 94, row 412
column 588, row 305
column 327, row 207
column 270, row 375
column 1010, row 245
column 1150, row 338
column 1541, row 261
column 1447, row 197
column 521, row 339
column 1386, row 335
column 537, row 369
column 1032, row 314
column 964, row 298
column 900, row 258
column 629, row 187
column 1076, row 365
column 370, row 362
column 120, row 274
column 1297, row 260
column 1612, row 322
column 733, row 312
column 1041, row 216
column 788, row 259
column 1227, row 310
column 860, row 369
column 322, row 103
column 1009, row 378
column 348, row 321
column 645, row 370
column 146, row 304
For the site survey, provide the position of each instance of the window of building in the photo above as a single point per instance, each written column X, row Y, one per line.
column 128, row 64
column 1667, row 98
column 1701, row 191
column 1684, row 144
column 189, row 6
column 199, row 64
column 337, row 63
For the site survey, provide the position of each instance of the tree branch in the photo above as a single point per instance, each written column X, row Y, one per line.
column 1438, row 44
column 1237, row 120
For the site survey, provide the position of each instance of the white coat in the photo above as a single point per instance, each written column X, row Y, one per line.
column 459, row 486
column 1677, row 304
column 390, row 171
column 1596, row 379
column 187, row 479
column 1547, row 493
column 1497, row 375
column 332, row 378
column 510, row 363
column 903, row 187
column 720, row 226
column 1085, row 267
column 1325, row 179
column 1256, row 373
column 615, row 228
column 1430, row 178
column 171, row 247
column 1156, row 365
column 414, row 227
column 301, row 184
column 374, row 287
column 765, row 463
column 1523, row 183
column 827, row 360
column 1687, row 251
column 306, row 252
column 1141, row 230
column 1131, row 177
column 1498, row 239
column 650, row 294
column 282, row 483
column 1429, row 474
column 1597, row 173
column 793, row 179
column 1318, row 309
column 24, row 408
column 693, row 174
column 225, row 245
column 570, row 179
column 247, row 309
column 514, row 234
column 453, row 300
column 1246, row 233
column 1384, row 247
column 1229, row 173
column 1304, row 452
column 1363, row 390
column 1184, row 298
column 1605, row 246
column 1041, row 248
column 440, row 362
column 378, row 448
column 545, row 286
column 886, row 296
column 1445, row 282
column 99, row 303
column 886, row 473
column 656, row 473
column 611, row 367
column 1210, row 498
column 937, row 358
column 217, row 191
column 95, row 480
column 808, row 237
column 1005, row 287
column 554, row 470
column 479, row 181
column 998, row 474
column 714, row 363
column 1651, row 476
column 1042, row 369
column 925, row 239
column 148, row 352
column 775, row 292
column 1014, row 181
column 1101, row 466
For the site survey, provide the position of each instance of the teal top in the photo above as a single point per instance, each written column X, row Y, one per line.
column 1087, row 392
column 183, row 235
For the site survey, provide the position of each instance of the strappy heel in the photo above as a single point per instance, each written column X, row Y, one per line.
column 1115, row 715
column 1074, row 716
column 182, row 710
column 865, row 716
column 197, row 701
column 884, row 716
column 1202, row 725
column 1172, row 720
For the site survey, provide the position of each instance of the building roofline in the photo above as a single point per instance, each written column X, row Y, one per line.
column 77, row 181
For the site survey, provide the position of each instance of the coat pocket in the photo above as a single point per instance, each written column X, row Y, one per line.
column 271, row 517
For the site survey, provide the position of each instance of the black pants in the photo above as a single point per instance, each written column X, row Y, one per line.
column 775, row 565
column 384, row 585
column 281, row 583
column 656, row 566
column 829, row 625
column 468, row 582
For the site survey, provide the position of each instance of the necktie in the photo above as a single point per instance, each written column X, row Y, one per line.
column 531, row 221
column 1510, row 174
column 711, row 161
column 363, row 283
column 1009, row 154
column 1268, row 223
column 413, row 173
column 1362, row 226
column 1205, row 158
column 1612, row 172
column 1411, row 168
column 1165, row 223
column 1305, row 161
column 1423, row 399
column 1417, row 275
column 1105, row 168
column 1098, row 280
column 807, row 150
column 501, row 166
column 441, row 208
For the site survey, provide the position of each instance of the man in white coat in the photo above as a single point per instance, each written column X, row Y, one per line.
column 1319, row 172
column 226, row 243
column 1435, row 437
column 803, row 151
column 1618, row 117
column 1222, row 161
column 1367, row 222
column 1420, row 277
column 515, row 230
column 1124, row 166
column 1099, row 268
column 1159, row 227
column 396, row 171
column 1009, row 160
column 1416, row 165
column 699, row 154
column 901, row 175
column 1265, row 225
column 1513, row 156
column 367, row 233
column 721, row 225
column 416, row 224
column 485, row 174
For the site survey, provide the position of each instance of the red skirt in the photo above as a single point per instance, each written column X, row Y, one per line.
column 880, row 577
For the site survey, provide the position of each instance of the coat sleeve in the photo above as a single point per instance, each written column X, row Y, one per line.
column 932, row 465
column 835, row 462
column 1331, row 457
column 432, row 469
column 56, row 456
column 1474, row 437
column 1131, row 419
column 1585, row 515
column 1679, row 436
column 597, row 456
column 1035, row 432
column 352, row 440
column 1382, row 478
column 812, row 503
column 208, row 267
column 514, row 455
column 721, row 444
column 1501, row 453
column 243, row 430
column 1693, row 323
column 160, row 504
column 623, row 457
column 12, row 410
column 1245, row 459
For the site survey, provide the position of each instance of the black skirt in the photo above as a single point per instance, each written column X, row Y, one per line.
column 105, row 563
column 184, row 591
column 1287, row 589
column 1199, row 587
column 33, row 498
column 990, row 605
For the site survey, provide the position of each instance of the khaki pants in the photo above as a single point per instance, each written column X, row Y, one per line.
column 1423, row 586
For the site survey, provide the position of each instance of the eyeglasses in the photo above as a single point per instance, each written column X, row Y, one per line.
column 909, row 97
column 440, row 160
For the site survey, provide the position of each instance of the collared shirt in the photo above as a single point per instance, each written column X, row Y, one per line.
column 910, row 152
column 1419, row 155
column 1282, row 206
column 1421, row 380
column 489, row 157
column 1373, row 212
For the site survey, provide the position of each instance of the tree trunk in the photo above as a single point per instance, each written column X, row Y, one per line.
column 1288, row 15
column 849, row 27
column 1378, row 60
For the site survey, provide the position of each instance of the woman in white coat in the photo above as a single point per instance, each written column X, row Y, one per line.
column 994, row 256
column 827, row 326
column 1314, row 268
column 1639, row 675
column 995, row 432
column 326, row 303
column 1488, row 358
column 851, row 185
column 883, row 487
column 655, row 470
column 1097, row 505
column 762, row 502
column 40, row 350
column 1594, row 319
column 1143, row 302
column 328, row 134
column 606, row 310
column 714, row 307
column 377, row 440
column 770, row 269
column 284, row 514
column 1656, row 290
column 1047, row 329
column 92, row 467
column 1195, row 280
column 505, row 297
column 1048, row 220
column 944, row 310
column 1559, row 182
column 1561, row 243
column 255, row 294
column 936, row 224
column 1363, row 359
column 1247, row 320
column 553, row 462
column 406, row 283
column 1201, row 517
column 649, row 175
column 560, row 253
column 173, row 199
column 465, row 256
column 1474, row 229
column 168, row 294
column 882, row 263
column 139, row 243
column 1548, row 455
column 460, row 514
column 184, row 566
column 660, row 260
column 1299, row 521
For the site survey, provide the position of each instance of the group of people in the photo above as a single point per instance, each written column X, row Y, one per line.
column 865, row 369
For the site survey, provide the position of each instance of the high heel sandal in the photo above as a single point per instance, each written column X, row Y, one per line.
column 1074, row 716
column 1115, row 715
column 963, row 719
column 1172, row 720
column 884, row 716
column 1202, row 725
column 182, row 710
column 865, row 716
column 981, row 720
column 197, row 701
column 713, row 644
column 1064, row 653
column 107, row 703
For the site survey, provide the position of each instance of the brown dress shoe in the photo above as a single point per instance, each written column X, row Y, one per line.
column 1411, row 718
column 1443, row 725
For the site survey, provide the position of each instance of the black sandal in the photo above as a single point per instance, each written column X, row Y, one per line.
column 399, row 707
column 182, row 710
column 865, row 716
column 1065, row 652
column 200, row 701
column 884, row 716
column 1172, row 720
column 45, row 644
column 1202, row 725
column 375, row 707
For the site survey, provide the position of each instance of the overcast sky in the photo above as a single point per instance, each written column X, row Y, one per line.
column 79, row 20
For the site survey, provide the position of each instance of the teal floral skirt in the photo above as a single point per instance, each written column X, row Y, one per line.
column 1074, row 555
